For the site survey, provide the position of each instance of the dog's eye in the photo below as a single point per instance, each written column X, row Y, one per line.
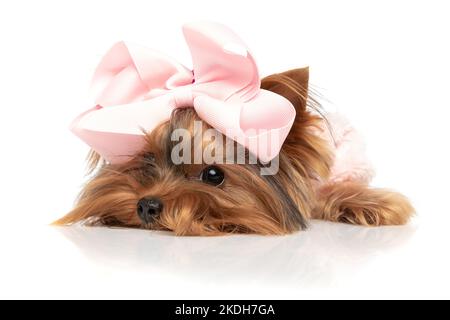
column 213, row 175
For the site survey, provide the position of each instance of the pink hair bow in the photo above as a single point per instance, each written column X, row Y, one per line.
column 136, row 89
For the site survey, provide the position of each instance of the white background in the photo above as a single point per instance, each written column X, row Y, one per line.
column 385, row 64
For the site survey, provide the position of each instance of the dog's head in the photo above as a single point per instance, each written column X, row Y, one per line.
column 168, row 187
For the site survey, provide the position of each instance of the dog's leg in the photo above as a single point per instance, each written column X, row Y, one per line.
column 357, row 203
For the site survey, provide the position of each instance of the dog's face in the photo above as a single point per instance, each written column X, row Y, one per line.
column 154, row 191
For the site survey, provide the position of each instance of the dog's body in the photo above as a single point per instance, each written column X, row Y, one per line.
column 322, row 175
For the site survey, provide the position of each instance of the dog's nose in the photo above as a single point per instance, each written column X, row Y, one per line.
column 148, row 208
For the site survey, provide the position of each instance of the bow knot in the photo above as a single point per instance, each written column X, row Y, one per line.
column 183, row 97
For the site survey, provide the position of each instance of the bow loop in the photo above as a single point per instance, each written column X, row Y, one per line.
column 130, row 73
column 223, row 65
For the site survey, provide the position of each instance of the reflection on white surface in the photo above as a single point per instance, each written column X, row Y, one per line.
column 307, row 258
column 326, row 261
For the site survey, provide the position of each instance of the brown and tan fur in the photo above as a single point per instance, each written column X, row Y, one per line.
column 246, row 202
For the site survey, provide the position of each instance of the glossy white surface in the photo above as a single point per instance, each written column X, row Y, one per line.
column 327, row 261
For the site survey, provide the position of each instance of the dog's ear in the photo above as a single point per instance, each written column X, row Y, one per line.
column 307, row 151
column 291, row 84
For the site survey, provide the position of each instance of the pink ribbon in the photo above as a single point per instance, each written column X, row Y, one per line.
column 136, row 89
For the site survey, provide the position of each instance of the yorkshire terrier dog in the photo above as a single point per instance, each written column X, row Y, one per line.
column 216, row 150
